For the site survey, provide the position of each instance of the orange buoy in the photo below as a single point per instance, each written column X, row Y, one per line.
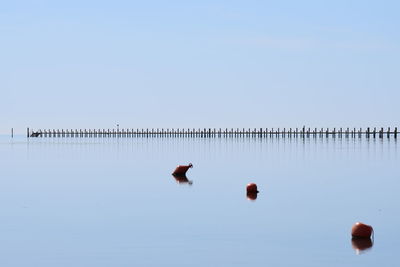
column 252, row 188
column 182, row 169
column 361, row 230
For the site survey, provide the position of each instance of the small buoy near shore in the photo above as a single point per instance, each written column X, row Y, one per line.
column 252, row 188
column 182, row 169
column 361, row 230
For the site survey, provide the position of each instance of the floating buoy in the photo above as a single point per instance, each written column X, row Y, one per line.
column 252, row 188
column 182, row 169
column 361, row 230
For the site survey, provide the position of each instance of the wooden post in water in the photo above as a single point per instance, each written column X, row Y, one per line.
column 395, row 132
column 388, row 133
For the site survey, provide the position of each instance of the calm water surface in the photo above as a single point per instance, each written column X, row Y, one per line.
column 112, row 202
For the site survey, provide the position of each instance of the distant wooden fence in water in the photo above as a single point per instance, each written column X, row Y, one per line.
column 216, row 133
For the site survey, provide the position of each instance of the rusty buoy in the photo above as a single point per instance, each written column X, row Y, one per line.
column 251, row 188
column 361, row 230
column 182, row 169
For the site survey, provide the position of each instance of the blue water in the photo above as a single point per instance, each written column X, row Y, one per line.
column 113, row 202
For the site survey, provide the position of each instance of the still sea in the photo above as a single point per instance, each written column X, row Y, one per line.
column 113, row 201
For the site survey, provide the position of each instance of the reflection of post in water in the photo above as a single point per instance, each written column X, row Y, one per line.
column 182, row 179
column 361, row 245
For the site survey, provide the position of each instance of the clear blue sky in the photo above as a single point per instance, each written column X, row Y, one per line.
column 202, row 63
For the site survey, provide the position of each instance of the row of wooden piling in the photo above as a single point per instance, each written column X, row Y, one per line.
column 208, row 132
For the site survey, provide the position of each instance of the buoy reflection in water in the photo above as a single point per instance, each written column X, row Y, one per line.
column 252, row 196
column 182, row 179
column 361, row 245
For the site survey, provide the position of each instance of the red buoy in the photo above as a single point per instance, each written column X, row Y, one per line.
column 182, row 169
column 252, row 188
column 361, row 230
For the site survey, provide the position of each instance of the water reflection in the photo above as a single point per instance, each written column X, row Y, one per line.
column 182, row 179
column 252, row 196
column 361, row 245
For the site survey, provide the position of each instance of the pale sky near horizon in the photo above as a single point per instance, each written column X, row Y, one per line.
column 93, row 64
